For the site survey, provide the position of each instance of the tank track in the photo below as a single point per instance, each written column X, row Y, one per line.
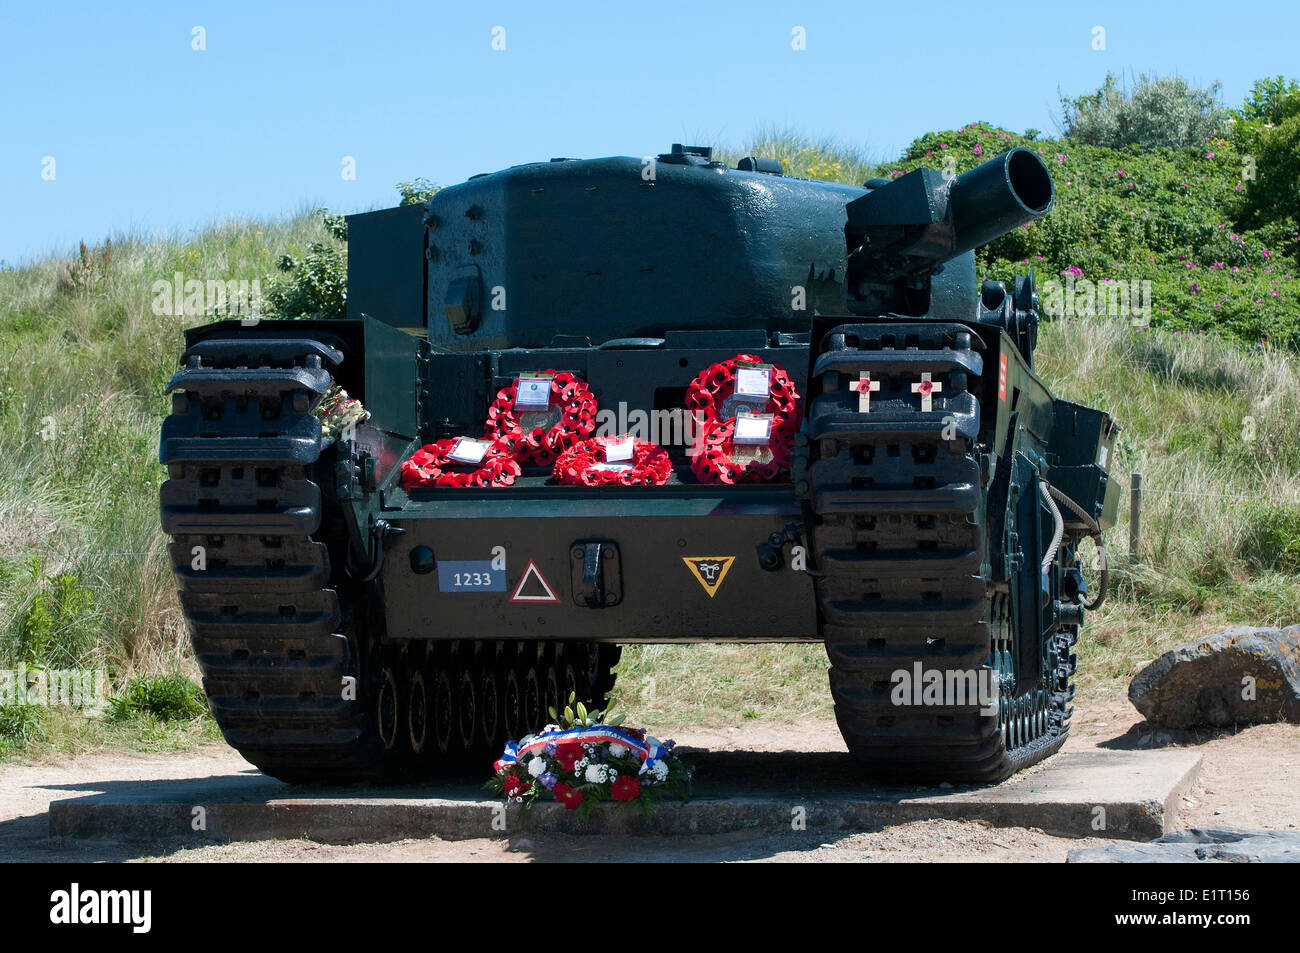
column 898, row 541
column 279, row 632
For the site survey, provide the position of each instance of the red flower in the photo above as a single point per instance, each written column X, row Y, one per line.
column 566, row 754
column 515, row 785
column 625, row 788
column 566, row 795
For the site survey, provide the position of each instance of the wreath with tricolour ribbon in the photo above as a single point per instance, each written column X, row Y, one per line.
column 538, row 435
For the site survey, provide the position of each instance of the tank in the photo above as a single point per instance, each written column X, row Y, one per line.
column 849, row 446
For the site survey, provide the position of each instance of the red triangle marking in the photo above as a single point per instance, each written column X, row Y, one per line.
column 532, row 570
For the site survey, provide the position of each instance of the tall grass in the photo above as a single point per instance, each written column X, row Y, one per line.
column 827, row 158
column 83, row 367
column 1210, row 426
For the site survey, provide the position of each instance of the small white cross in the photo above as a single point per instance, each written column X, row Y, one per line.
column 926, row 388
column 864, row 385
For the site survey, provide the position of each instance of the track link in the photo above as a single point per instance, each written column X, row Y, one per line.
column 899, row 547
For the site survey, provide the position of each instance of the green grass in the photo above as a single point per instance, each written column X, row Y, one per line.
column 63, row 733
column 22, row 726
column 719, row 685
column 1208, row 420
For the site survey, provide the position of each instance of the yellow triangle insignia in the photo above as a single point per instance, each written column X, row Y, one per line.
column 709, row 571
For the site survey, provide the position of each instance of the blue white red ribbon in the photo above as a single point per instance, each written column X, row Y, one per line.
column 597, row 734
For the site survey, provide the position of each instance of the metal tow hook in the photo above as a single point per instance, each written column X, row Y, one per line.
column 379, row 531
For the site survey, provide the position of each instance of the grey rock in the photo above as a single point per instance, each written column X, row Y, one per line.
column 1201, row 683
column 1223, row 845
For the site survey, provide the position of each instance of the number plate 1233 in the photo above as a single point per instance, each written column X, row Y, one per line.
column 470, row 576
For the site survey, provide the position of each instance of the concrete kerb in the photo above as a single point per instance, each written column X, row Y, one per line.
column 1126, row 795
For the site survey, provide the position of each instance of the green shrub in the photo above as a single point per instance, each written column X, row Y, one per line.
column 1271, row 102
column 1160, row 111
column 165, row 697
column 1274, row 196
column 417, row 191
column 56, row 628
column 1162, row 216
column 314, row 285
column 20, row 725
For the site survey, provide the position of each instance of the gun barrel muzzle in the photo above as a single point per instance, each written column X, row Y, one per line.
column 992, row 199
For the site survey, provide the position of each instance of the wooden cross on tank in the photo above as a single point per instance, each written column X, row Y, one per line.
column 864, row 385
column 926, row 388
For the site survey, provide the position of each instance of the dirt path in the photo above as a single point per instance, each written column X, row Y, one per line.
column 1249, row 779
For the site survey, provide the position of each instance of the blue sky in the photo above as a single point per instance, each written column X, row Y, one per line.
column 147, row 133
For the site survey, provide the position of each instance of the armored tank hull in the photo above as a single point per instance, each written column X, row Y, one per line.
column 353, row 623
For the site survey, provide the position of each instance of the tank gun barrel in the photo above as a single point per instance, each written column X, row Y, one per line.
column 909, row 227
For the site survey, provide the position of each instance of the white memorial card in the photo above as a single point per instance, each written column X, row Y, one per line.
column 617, row 451
column 754, row 381
column 753, row 428
column 533, row 390
column 467, row 450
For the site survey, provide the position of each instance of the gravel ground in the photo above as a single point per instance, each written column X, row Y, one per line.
column 1233, row 790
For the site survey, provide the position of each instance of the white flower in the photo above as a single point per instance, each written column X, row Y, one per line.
column 579, row 765
column 646, row 765
column 616, row 750
column 660, row 770
column 537, row 767
column 595, row 774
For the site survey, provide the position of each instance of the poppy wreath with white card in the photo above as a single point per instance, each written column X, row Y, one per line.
column 744, row 384
column 746, row 413
column 725, row 454
column 625, row 461
column 539, row 416
column 460, row 461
